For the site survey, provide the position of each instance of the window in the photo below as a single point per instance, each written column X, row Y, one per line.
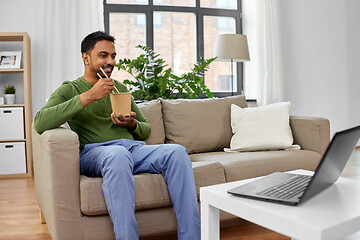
column 226, row 24
column 224, row 82
column 141, row 20
column 182, row 31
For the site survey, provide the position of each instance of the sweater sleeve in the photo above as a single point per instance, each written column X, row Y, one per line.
column 58, row 110
column 143, row 128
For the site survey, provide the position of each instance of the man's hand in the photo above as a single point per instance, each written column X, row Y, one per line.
column 128, row 121
column 100, row 89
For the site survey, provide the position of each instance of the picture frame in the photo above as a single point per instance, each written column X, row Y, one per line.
column 10, row 59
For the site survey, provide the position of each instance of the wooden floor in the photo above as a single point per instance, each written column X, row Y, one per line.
column 19, row 214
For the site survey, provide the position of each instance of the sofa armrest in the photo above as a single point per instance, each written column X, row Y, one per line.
column 311, row 133
column 57, row 181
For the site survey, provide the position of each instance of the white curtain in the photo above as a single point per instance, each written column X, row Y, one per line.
column 65, row 24
column 263, row 74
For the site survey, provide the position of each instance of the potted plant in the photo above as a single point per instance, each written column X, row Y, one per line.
column 154, row 80
column 9, row 92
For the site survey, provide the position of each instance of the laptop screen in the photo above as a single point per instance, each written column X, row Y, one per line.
column 333, row 161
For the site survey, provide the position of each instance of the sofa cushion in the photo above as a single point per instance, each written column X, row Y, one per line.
column 200, row 125
column 244, row 165
column 207, row 174
column 261, row 128
column 150, row 189
column 152, row 112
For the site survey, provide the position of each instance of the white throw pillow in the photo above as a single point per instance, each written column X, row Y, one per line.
column 261, row 128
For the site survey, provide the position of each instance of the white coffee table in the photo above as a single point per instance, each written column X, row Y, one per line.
column 331, row 215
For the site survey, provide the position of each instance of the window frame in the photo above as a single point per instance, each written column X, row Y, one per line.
column 200, row 12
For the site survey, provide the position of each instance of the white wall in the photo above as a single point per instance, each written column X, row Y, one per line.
column 27, row 16
column 321, row 59
column 352, row 8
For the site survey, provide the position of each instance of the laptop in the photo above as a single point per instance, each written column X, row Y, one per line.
column 293, row 189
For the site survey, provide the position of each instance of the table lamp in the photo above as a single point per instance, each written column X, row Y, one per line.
column 233, row 48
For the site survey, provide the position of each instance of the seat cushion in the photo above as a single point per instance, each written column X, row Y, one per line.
column 200, row 125
column 244, row 165
column 152, row 112
column 150, row 189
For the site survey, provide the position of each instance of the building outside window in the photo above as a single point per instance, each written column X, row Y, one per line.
column 181, row 31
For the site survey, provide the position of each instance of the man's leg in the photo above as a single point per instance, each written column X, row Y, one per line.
column 172, row 161
column 115, row 165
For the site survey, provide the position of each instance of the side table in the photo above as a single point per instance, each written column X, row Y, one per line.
column 331, row 215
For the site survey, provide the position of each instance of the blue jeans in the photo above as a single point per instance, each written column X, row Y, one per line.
column 116, row 162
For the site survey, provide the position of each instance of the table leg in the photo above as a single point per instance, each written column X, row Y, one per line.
column 210, row 226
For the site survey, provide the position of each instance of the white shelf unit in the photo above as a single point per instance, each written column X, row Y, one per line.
column 16, row 154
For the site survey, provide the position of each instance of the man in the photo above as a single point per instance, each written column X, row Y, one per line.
column 109, row 145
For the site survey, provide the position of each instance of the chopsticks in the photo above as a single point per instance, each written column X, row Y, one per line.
column 107, row 77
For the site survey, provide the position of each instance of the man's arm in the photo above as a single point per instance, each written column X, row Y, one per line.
column 65, row 103
column 143, row 128
column 57, row 110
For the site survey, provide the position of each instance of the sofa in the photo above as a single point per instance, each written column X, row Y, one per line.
column 74, row 207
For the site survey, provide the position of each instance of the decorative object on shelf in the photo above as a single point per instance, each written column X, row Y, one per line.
column 10, row 59
column 153, row 80
column 9, row 92
column 233, row 48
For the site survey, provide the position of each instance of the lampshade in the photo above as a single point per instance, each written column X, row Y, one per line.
column 232, row 47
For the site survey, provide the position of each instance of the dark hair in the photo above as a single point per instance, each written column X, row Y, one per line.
column 90, row 40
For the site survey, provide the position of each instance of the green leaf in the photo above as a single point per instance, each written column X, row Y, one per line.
column 206, row 91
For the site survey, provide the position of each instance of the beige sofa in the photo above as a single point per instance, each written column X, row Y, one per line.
column 74, row 206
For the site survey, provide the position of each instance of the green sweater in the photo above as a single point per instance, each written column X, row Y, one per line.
column 93, row 123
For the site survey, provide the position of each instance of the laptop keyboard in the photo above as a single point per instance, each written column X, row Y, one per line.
column 288, row 189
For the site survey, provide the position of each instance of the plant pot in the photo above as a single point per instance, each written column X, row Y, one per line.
column 9, row 99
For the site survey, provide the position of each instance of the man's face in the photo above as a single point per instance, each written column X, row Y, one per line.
column 102, row 55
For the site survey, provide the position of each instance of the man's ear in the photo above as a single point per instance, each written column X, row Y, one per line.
column 85, row 56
